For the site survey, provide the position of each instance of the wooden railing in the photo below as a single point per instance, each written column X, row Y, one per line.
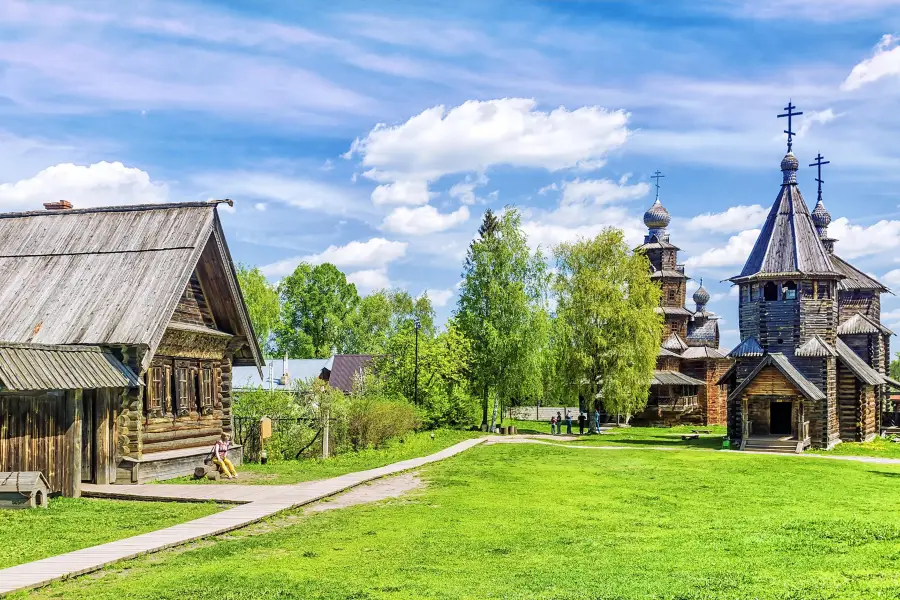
column 679, row 404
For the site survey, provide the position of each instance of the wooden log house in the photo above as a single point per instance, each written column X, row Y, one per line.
column 684, row 388
column 812, row 366
column 119, row 328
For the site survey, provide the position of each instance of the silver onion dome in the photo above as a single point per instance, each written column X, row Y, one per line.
column 657, row 217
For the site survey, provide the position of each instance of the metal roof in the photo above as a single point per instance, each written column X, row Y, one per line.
column 342, row 368
column 298, row 370
column 706, row 331
column 673, row 378
column 854, row 279
column 859, row 324
column 657, row 245
column 666, row 353
column 703, row 352
column 31, row 367
column 784, row 366
column 863, row 371
column 105, row 276
column 748, row 347
column 788, row 241
column 668, row 274
column 814, row 347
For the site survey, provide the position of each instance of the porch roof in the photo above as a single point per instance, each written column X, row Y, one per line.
column 863, row 371
column 673, row 378
column 34, row 367
column 784, row 366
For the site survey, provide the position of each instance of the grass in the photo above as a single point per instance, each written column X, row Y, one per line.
column 74, row 523
column 544, row 522
column 636, row 436
column 287, row 472
column 879, row 447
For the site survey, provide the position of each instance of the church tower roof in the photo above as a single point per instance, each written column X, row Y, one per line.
column 789, row 242
column 657, row 217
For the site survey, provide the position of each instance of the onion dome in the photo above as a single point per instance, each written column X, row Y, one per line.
column 657, row 217
column 789, row 166
column 820, row 216
column 701, row 296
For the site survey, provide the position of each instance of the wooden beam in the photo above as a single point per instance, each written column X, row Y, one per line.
column 72, row 474
column 104, row 466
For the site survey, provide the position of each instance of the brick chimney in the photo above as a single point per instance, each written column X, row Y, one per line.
column 60, row 205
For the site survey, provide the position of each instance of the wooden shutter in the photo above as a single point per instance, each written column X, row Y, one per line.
column 206, row 388
column 183, row 388
column 154, row 396
column 168, row 399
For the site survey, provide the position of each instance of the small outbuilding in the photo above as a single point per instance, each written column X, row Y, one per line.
column 23, row 490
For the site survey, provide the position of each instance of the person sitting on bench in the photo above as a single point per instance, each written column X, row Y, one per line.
column 220, row 456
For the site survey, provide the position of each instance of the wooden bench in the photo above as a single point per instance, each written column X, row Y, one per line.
column 690, row 436
column 701, row 430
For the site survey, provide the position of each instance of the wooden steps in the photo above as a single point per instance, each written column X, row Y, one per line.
column 758, row 444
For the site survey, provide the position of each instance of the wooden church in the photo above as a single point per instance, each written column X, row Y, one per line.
column 685, row 387
column 811, row 368
column 119, row 327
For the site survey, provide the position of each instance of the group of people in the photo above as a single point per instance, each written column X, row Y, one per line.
column 556, row 422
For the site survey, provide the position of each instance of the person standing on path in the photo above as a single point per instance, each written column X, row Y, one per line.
column 552, row 425
column 558, row 422
column 597, row 418
column 568, row 422
column 582, row 421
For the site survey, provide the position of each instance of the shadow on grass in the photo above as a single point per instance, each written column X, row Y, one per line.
column 886, row 474
column 674, row 441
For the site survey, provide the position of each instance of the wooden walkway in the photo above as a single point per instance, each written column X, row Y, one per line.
column 258, row 501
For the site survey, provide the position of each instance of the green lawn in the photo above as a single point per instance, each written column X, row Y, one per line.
column 637, row 436
column 884, row 448
column 74, row 523
column 287, row 472
column 538, row 521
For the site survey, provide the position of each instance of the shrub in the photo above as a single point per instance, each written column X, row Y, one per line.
column 455, row 407
column 373, row 421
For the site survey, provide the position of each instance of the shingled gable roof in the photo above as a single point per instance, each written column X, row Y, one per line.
column 110, row 276
column 854, row 279
column 788, row 243
column 860, row 369
column 860, row 324
column 784, row 366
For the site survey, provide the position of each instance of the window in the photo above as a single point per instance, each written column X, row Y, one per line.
column 671, row 295
column 770, row 292
column 789, row 291
column 205, row 397
column 185, row 387
column 159, row 390
column 754, row 292
column 823, row 290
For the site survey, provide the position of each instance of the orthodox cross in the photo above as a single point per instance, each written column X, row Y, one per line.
column 790, row 114
column 657, row 177
column 819, row 162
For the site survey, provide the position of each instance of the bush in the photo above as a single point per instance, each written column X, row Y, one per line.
column 373, row 421
column 451, row 408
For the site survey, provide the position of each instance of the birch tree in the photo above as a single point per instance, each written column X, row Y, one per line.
column 608, row 331
column 502, row 310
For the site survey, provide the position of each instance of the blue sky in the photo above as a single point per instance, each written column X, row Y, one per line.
column 374, row 135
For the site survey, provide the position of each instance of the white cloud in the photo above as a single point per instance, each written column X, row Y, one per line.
column 599, row 191
column 856, row 240
column 464, row 191
column 423, row 220
column 892, row 279
column 439, row 297
column 298, row 192
column 816, row 116
column 735, row 252
column 884, row 62
column 376, row 252
column 369, row 280
column 402, row 192
column 736, row 218
column 260, row 206
column 477, row 135
column 811, row 10
column 99, row 184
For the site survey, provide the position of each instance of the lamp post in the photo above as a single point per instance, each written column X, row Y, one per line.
column 418, row 325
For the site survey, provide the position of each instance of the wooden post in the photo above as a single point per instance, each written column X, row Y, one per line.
column 745, row 433
column 72, row 476
column 326, row 433
column 102, row 437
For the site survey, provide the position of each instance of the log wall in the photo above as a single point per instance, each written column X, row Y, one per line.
column 33, row 437
column 867, row 303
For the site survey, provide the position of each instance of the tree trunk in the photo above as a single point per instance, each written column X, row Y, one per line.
column 484, row 409
column 494, row 412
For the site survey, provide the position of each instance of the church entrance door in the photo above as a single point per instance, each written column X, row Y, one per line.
column 780, row 418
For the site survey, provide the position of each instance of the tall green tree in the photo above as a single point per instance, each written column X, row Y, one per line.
column 607, row 327
column 502, row 310
column 381, row 315
column 262, row 302
column 895, row 367
column 317, row 306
